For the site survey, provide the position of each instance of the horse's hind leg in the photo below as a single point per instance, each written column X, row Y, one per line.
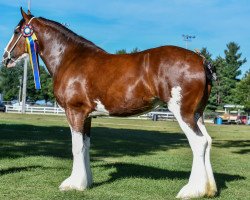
column 212, row 189
column 198, row 180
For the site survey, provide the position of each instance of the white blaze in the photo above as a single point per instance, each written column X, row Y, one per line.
column 9, row 49
column 6, row 48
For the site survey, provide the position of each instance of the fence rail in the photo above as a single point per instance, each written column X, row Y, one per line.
column 47, row 110
column 60, row 111
column 35, row 110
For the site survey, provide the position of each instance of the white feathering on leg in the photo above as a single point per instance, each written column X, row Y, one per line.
column 197, row 185
column 81, row 176
column 212, row 184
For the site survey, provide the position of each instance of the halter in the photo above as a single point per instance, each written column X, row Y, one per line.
column 14, row 45
column 28, row 33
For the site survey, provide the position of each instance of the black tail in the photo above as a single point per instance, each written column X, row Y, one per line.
column 209, row 67
column 210, row 71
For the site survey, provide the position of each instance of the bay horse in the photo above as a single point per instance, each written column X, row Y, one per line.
column 88, row 81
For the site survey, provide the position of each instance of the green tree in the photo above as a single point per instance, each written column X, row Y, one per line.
column 220, row 87
column 242, row 92
column 231, row 71
column 135, row 50
column 122, row 51
column 46, row 92
column 10, row 84
column 212, row 101
column 206, row 54
column 227, row 70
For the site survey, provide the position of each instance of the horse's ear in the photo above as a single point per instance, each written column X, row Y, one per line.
column 25, row 16
column 29, row 13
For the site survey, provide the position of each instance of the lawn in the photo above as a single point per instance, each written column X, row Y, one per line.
column 130, row 159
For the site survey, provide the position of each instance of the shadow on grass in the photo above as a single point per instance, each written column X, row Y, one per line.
column 28, row 140
column 242, row 145
column 126, row 170
column 19, row 169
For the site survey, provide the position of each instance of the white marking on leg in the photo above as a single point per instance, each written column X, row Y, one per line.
column 100, row 109
column 81, row 176
column 212, row 184
column 198, row 180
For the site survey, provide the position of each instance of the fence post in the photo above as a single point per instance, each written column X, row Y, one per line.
column 24, row 85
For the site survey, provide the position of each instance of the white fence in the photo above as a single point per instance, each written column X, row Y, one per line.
column 48, row 111
column 60, row 111
column 35, row 110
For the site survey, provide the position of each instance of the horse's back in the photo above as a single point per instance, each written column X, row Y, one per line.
column 143, row 78
column 169, row 66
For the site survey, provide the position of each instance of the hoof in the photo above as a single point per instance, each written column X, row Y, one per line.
column 71, row 184
column 191, row 191
column 212, row 190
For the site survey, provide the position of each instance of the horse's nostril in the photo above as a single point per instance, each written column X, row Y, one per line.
column 5, row 62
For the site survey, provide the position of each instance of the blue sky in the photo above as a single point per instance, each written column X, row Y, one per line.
column 126, row 24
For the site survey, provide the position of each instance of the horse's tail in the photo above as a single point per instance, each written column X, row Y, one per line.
column 210, row 71
column 209, row 68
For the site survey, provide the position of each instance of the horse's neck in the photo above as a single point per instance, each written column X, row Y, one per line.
column 55, row 47
column 51, row 50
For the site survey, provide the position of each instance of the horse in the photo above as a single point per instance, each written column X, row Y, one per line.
column 88, row 81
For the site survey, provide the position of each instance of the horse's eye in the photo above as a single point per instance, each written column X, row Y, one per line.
column 17, row 30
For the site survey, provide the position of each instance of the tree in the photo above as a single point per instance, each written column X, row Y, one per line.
column 206, row 54
column 135, row 50
column 46, row 92
column 221, row 87
column 231, row 71
column 9, row 84
column 212, row 101
column 227, row 70
column 122, row 51
column 242, row 92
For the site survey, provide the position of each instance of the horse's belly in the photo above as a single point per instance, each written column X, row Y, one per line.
column 124, row 108
column 135, row 107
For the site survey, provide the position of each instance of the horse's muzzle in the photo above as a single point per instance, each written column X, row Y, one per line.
column 6, row 62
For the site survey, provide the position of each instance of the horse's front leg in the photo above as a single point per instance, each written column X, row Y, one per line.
column 81, row 176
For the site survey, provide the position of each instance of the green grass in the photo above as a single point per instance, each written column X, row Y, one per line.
column 130, row 159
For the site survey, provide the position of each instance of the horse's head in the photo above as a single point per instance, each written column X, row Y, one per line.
column 16, row 48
